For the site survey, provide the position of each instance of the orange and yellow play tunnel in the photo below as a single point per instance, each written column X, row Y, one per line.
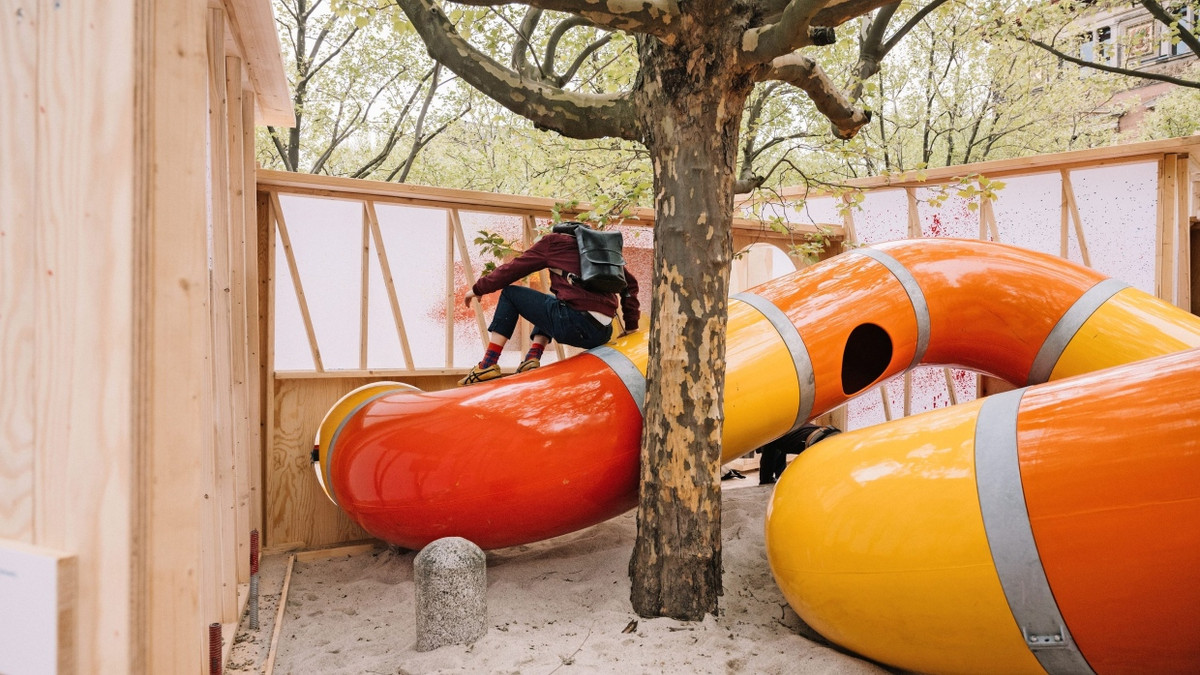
column 1054, row 529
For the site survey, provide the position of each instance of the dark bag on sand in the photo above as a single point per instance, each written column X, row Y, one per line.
column 601, row 264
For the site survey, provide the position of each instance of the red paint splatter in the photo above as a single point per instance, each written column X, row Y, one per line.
column 936, row 228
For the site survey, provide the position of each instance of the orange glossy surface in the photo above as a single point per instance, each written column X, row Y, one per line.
column 991, row 306
column 828, row 301
column 502, row 463
column 1110, row 464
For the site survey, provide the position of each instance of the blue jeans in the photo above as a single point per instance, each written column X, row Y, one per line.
column 550, row 317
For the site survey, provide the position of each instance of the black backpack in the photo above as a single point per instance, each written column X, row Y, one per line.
column 601, row 265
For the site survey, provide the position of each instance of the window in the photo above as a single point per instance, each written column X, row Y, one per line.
column 1105, row 49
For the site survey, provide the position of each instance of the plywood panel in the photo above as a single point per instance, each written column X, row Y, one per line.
column 297, row 509
column 18, row 101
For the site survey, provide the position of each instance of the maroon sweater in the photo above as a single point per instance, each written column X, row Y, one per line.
column 560, row 251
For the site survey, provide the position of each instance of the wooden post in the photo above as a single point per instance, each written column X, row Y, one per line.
column 1183, row 225
column 219, row 551
column 887, row 402
column 914, row 216
column 255, row 273
column 450, row 290
column 1073, row 208
column 281, row 224
column 389, row 285
column 468, row 270
column 851, row 235
column 239, row 323
column 1166, row 228
column 364, row 307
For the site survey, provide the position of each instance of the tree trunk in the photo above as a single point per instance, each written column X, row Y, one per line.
column 690, row 102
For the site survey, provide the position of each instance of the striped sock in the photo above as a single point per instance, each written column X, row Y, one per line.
column 491, row 356
column 535, row 351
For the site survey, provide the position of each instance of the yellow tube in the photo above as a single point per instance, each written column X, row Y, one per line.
column 895, row 563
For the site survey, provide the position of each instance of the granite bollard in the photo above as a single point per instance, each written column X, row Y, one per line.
column 451, row 593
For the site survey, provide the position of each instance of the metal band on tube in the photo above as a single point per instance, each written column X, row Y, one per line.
column 1066, row 328
column 915, row 295
column 326, row 470
column 1010, row 538
column 625, row 369
column 805, row 378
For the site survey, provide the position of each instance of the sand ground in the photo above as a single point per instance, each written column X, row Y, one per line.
column 559, row 606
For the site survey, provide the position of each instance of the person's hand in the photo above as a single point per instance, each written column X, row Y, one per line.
column 469, row 297
column 627, row 332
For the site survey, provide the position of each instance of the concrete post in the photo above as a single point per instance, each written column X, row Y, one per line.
column 451, row 593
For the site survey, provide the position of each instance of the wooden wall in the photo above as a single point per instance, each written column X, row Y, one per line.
column 129, row 417
column 101, row 306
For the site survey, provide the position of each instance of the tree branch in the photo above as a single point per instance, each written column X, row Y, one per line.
column 653, row 17
column 571, row 114
column 1145, row 75
column 1185, row 36
column 838, row 13
column 802, row 72
column 791, row 32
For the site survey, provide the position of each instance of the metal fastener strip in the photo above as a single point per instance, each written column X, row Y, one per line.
column 625, row 369
column 915, row 295
column 1066, row 328
column 1010, row 538
column 801, row 360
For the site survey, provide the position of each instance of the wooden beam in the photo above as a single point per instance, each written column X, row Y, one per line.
column 1183, row 225
column 265, row 236
column 389, row 285
column 449, row 289
column 239, row 322
column 364, row 308
column 281, row 224
column 950, row 386
column 914, row 216
column 352, row 189
column 218, row 552
column 1073, row 208
column 887, row 402
column 1093, row 157
column 850, row 235
column 170, row 323
column 1165, row 227
column 280, row 613
column 255, row 277
column 468, row 270
column 253, row 23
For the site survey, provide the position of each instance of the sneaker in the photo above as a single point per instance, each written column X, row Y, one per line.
column 478, row 374
column 529, row 364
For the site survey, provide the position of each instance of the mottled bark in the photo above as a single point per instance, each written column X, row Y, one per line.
column 691, row 105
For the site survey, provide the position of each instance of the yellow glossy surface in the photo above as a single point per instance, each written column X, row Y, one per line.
column 828, row 301
column 761, row 391
column 333, row 419
column 1133, row 325
column 877, row 541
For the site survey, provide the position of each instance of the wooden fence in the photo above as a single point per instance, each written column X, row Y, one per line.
column 1172, row 192
column 297, row 513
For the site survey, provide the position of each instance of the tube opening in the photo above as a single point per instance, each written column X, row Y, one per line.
column 866, row 356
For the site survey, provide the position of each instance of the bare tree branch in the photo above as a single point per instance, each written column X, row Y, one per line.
column 572, row 114
column 653, row 17
column 802, row 72
column 1146, row 75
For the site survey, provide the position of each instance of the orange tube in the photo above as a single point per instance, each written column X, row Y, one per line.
column 1055, row 527
column 1111, row 472
column 555, row 450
